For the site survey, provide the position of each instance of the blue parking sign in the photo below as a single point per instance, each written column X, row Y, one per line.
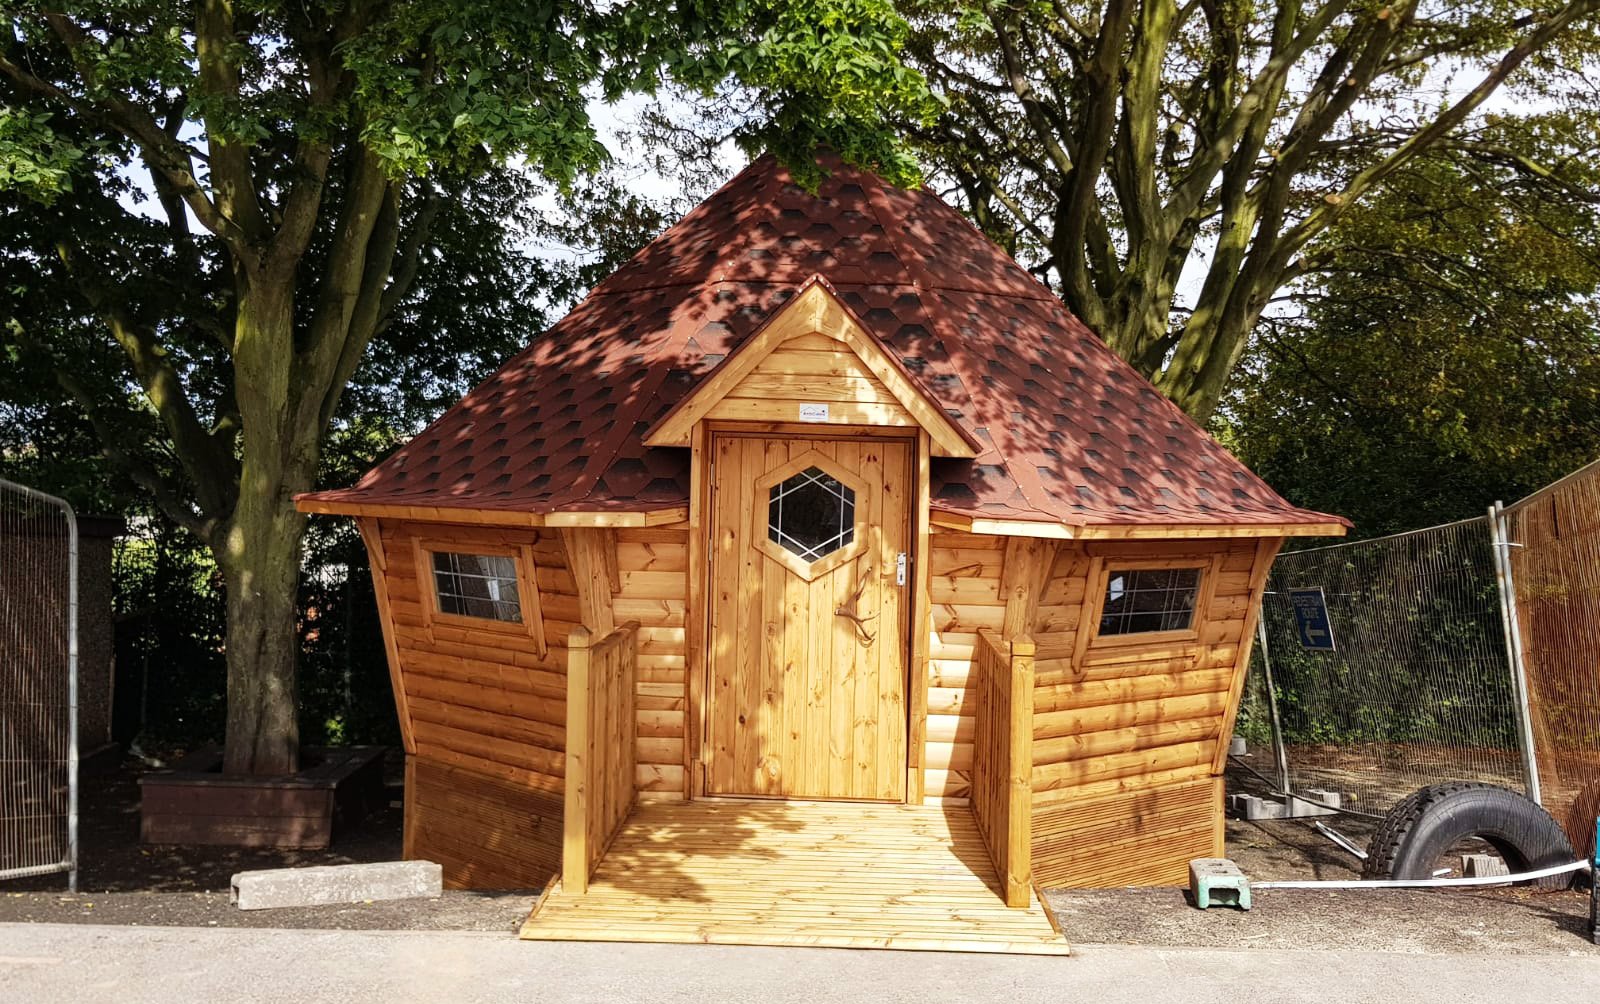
column 1311, row 619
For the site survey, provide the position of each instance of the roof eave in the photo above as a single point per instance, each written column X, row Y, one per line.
column 321, row 504
column 1313, row 525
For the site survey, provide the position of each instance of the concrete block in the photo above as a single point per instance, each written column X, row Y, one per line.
column 1218, row 881
column 1253, row 807
column 1483, row 866
column 1324, row 797
column 325, row 884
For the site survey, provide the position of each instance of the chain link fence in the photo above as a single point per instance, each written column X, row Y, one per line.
column 1468, row 651
column 38, row 684
column 1416, row 690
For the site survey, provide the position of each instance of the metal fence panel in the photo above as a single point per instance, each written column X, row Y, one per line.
column 1417, row 691
column 1554, row 538
column 38, row 684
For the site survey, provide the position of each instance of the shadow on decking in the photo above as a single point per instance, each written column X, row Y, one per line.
column 840, row 874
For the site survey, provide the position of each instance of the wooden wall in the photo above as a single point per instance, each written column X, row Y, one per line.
column 813, row 368
column 1128, row 738
column 483, row 712
column 654, row 571
column 1129, row 735
column 485, row 831
column 964, row 595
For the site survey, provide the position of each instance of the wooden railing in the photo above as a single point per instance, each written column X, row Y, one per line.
column 601, row 676
column 1001, row 689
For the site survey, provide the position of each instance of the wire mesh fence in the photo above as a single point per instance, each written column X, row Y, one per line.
column 1554, row 553
column 1416, row 689
column 38, row 652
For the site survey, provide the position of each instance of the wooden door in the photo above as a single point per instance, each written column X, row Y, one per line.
column 810, row 590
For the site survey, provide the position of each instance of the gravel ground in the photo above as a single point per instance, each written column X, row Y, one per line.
column 113, row 860
column 1504, row 921
column 456, row 910
column 125, row 883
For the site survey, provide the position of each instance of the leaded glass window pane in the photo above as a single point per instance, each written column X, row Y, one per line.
column 1149, row 599
column 477, row 585
column 811, row 514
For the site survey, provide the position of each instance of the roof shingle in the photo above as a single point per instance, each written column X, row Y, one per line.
column 1069, row 432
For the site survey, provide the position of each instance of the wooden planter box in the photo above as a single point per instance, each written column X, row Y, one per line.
column 195, row 803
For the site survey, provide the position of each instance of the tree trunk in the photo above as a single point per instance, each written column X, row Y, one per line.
column 259, row 550
column 1209, row 349
column 263, row 580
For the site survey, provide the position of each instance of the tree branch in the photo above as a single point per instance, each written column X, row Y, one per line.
column 232, row 181
column 167, row 155
column 1032, row 108
column 409, row 257
column 212, row 470
column 112, row 435
column 1078, row 200
column 1335, row 206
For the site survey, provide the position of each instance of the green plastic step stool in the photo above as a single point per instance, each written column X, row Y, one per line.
column 1218, row 882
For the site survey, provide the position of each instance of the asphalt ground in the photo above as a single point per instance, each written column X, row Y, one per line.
column 48, row 963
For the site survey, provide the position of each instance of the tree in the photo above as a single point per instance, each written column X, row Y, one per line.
column 1445, row 352
column 241, row 197
column 1117, row 145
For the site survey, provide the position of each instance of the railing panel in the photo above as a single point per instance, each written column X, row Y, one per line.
column 1002, row 758
column 601, row 678
column 38, row 685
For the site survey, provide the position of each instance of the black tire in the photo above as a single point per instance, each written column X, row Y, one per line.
column 1423, row 826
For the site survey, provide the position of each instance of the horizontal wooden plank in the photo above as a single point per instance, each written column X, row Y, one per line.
column 1125, row 740
column 1100, row 717
column 1129, row 690
column 1077, row 772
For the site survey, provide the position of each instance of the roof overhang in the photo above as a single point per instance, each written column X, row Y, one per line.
column 1053, row 530
column 490, row 517
column 815, row 309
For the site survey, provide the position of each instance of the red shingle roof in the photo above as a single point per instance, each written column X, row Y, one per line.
column 1071, row 433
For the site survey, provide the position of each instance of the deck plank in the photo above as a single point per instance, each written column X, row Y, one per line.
column 828, row 874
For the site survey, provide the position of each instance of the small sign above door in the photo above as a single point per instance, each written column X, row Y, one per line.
column 813, row 412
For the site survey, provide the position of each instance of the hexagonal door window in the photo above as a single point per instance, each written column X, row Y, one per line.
column 811, row 514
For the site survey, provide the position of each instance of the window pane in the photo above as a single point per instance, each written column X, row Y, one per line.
column 477, row 585
column 811, row 514
column 1149, row 599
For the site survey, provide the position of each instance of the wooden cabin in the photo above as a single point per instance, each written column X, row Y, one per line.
column 820, row 500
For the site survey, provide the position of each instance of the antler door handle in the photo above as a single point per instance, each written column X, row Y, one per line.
column 859, row 621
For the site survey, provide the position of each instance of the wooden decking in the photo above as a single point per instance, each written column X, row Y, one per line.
column 840, row 875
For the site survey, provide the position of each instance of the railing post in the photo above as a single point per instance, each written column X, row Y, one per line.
column 1019, row 813
column 575, row 807
column 1280, row 752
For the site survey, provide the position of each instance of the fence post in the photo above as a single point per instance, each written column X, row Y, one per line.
column 1501, row 547
column 1279, row 751
column 72, row 695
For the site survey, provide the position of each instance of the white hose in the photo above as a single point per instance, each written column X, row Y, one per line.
column 1434, row 883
